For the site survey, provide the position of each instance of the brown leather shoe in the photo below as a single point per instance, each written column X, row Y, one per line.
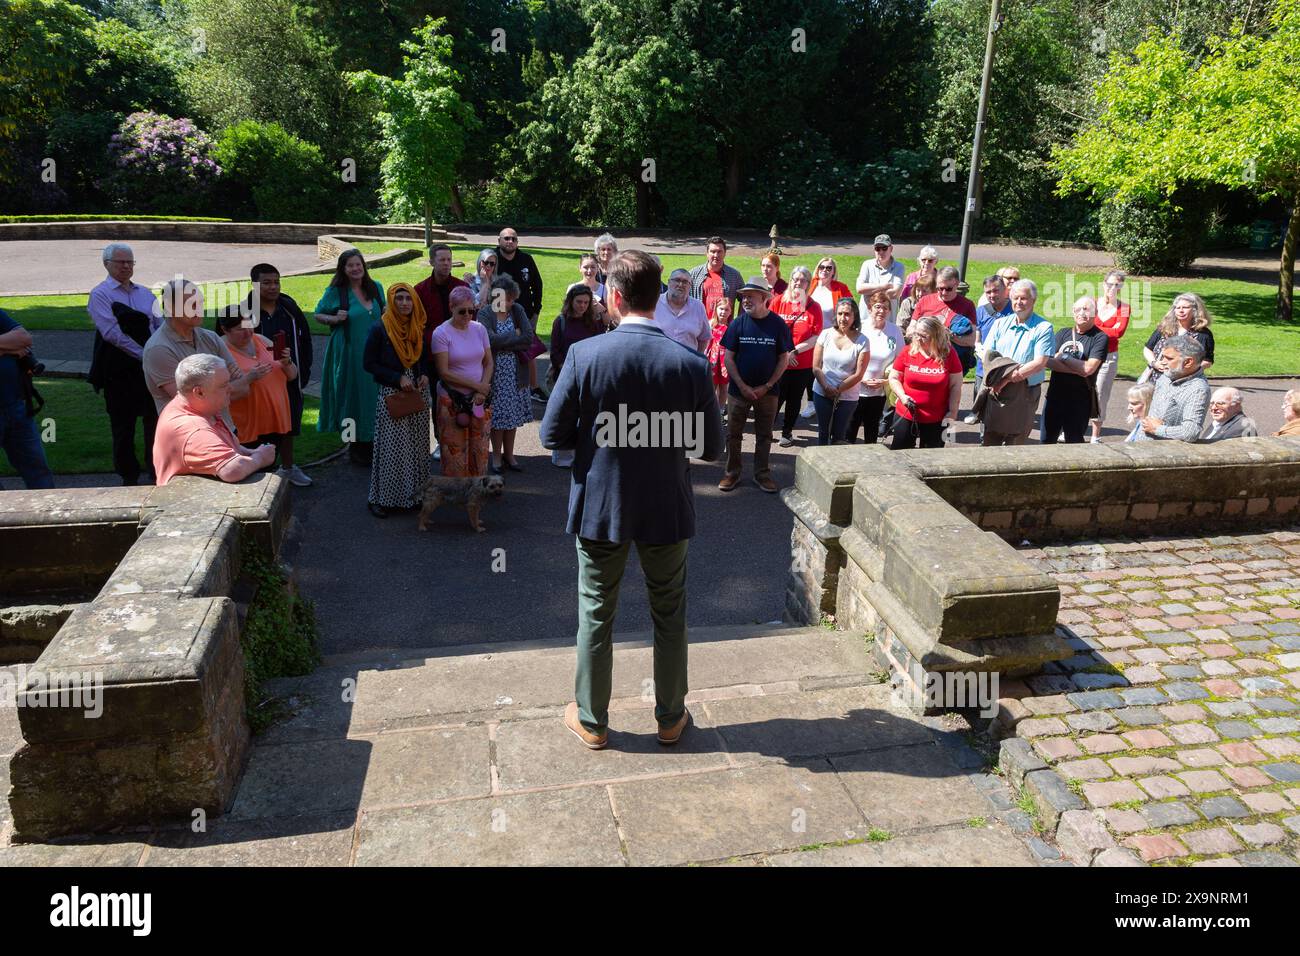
column 589, row 740
column 670, row 735
column 767, row 484
column 728, row 482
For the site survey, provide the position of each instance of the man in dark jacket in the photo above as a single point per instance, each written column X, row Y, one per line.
column 436, row 289
column 636, row 407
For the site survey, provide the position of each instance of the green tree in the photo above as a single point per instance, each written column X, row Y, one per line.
column 424, row 124
column 271, row 175
column 1229, row 117
column 42, row 43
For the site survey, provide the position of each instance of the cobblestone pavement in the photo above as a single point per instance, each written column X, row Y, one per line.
column 1177, row 726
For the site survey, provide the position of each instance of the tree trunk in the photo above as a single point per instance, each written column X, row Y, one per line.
column 457, row 207
column 1286, row 271
column 731, row 183
column 428, row 224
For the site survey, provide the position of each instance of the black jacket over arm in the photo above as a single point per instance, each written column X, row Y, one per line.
column 381, row 361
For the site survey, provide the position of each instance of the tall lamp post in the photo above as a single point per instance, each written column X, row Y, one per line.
column 968, row 220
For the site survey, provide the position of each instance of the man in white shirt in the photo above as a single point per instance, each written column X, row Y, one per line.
column 681, row 317
column 881, row 274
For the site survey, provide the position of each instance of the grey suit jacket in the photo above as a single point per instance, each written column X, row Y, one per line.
column 635, row 406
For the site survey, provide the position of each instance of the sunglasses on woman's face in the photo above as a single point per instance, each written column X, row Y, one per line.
column 823, row 268
column 466, row 311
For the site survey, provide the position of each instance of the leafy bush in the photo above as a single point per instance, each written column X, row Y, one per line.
column 803, row 186
column 279, row 637
column 107, row 217
column 1154, row 238
column 161, row 164
column 271, row 175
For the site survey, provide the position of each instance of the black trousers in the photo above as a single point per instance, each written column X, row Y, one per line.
column 127, row 400
column 794, row 383
column 866, row 416
column 906, row 433
column 1064, row 415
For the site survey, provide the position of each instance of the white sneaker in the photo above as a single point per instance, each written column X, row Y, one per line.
column 437, row 453
column 808, row 411
column 970, row 419
column 295, row 476
column 1096, row 441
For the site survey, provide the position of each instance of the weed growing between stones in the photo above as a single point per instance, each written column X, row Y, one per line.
column 876, row 835
column 280, row 637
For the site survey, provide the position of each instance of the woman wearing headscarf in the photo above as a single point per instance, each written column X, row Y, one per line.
column 462, row 353
column 398, row 358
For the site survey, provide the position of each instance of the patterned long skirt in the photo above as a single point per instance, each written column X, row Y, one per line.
column 400, row 465
column 464, row 450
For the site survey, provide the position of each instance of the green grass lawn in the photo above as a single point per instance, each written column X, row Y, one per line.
column 75, row 420
column 1247, row 339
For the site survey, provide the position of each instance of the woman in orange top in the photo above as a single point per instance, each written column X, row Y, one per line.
column 263, row 415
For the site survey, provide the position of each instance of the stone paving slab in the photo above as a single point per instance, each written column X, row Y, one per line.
column 544, row 753
column 677, row 820
column 793, row 746
column 904, row 788
column 964, row 846
column 1193, row 756
column 299, row 841
column 556, row 828
column 828, row 721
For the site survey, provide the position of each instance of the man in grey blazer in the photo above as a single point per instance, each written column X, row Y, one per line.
column 635, row 407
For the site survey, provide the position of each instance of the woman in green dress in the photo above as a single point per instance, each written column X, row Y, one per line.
column 351, row 304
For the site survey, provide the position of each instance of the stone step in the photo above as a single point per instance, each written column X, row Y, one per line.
column 497, row 682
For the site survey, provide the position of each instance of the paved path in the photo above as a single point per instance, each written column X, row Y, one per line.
column 1177, row 721
column 74, row 265
column 797, row 757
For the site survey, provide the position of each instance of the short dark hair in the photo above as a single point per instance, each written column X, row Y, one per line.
column 261, row 269
column 635, row 276
column 436, row 247
column 716, row 241
column 995, row 278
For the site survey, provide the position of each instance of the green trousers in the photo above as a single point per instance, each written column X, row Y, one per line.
column 600, row 574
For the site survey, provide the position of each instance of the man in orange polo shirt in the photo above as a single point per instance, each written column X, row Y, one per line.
column 192, row 438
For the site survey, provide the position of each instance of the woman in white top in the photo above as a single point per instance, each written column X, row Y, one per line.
column 839, row 362
column 885, row 341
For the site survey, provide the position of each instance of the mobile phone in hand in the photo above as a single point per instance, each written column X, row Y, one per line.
column 278, row 348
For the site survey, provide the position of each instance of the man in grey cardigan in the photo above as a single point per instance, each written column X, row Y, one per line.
column 1182, row 397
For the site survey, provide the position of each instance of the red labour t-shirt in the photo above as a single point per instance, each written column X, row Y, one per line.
column 932, row 304
column 711, row 292
column 804, row 324
column 926, row 380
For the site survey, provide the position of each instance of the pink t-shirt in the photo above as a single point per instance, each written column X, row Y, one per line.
column 464, row 349
column 187, row 443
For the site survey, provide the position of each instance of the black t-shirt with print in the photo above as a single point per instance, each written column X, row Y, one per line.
column 1082, row 346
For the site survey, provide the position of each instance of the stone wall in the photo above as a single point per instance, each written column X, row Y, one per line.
column 912, row 549
column 134, row 713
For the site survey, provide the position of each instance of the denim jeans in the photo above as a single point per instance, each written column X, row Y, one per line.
column 832, row 419
column 22, row 446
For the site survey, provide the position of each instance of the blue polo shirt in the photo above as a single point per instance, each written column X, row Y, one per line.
column 984, row 318
column 1023, row 341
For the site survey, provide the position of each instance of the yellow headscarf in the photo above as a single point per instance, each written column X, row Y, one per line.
column 406, row 334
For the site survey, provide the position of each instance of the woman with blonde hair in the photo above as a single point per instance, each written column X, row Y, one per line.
column 926, row 377
column 1187, row 316
column 1139, row 403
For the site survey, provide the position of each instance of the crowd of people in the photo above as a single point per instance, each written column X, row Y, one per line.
column 455, row 357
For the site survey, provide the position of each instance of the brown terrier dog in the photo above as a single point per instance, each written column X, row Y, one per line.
column 470, row 492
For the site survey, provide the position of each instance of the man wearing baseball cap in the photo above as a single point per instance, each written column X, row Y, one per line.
column 757, row 344
column 884, row 274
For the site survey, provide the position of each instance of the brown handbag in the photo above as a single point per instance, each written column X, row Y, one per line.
column 401, row 404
